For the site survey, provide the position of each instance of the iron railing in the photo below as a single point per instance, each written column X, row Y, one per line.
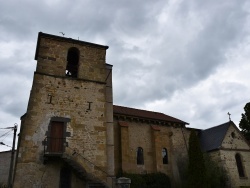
column 53, row 145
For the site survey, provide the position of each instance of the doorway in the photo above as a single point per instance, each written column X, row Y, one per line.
column 56, row 138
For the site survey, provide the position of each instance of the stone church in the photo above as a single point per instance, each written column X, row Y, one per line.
column 73, row 136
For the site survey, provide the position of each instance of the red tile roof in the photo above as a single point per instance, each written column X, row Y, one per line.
column 132, row 112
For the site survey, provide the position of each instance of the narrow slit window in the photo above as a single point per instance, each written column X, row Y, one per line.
column 164, row 156
column 72, row 62
column 140, row 158
column 239, row 165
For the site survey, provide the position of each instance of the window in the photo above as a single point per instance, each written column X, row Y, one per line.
column 233, row 135
column 165, row 156
column 72, row 62
column 140, row 158
column 239, row 165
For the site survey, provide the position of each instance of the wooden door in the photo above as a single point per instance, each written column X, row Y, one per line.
column 56, row 137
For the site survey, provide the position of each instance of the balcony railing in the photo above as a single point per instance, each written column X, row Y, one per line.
column 53, row 146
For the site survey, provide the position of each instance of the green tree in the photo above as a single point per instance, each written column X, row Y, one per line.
column 245, row 122
column 196, row 163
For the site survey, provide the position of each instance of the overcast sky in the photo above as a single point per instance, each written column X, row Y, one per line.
column 185, row 58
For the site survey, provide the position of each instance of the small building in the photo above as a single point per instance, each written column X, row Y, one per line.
column 227, row 146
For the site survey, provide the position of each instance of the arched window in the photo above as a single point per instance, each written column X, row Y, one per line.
column 165, row 156
column 239, row 165
column 65, row 177
column 72, row 62
column 140, row 158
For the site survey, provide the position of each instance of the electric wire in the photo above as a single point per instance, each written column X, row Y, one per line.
column 5, row 137
column 5, row 134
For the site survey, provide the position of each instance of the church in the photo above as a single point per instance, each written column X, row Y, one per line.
column 72, row 135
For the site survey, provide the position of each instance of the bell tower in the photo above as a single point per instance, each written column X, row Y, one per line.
column 66, row 136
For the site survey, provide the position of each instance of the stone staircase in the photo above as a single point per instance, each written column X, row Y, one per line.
column 82, row 174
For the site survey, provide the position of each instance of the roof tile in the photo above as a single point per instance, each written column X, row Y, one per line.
column 212, row 138
column 145, row 114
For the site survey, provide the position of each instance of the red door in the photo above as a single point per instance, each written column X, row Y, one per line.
column 56, row 137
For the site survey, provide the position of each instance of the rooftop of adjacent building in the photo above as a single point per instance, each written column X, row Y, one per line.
column 133, row 112
column 212, row 138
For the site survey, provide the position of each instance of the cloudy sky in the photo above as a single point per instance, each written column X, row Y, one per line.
column 188, row 59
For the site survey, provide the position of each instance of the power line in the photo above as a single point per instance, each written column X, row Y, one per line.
column 5, row 137
column 1, row 143
column 5, row 133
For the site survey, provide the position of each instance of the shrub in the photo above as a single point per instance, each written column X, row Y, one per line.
column 215, row 175
column 152, row 180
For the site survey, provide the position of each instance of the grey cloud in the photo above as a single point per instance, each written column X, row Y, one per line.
column 14, row 97
column 153, row 58
column 183, row 65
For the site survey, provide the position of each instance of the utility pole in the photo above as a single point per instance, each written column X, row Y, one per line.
column 12, row 157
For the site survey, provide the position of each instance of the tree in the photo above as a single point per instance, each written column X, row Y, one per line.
column 196, row 164
column 245, row 122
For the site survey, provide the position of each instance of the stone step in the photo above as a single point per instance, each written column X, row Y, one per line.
column 77, row 167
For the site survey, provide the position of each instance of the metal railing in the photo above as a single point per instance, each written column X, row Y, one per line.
column 57, row 147
column 74, row 153
column 53, row 145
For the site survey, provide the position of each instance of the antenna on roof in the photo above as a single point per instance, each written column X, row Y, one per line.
column 229, row 116
column 62, row 33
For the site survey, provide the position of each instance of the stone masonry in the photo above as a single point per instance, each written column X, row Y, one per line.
column 152, row 137
column 80, row 103
column 73, row 136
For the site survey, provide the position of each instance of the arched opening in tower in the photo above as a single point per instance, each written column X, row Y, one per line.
column 72, row 62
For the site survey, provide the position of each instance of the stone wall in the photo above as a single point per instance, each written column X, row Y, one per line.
column 131, row 134
column 180, row 140
column 228, row 158
column 80, row 102
column 234, row 143
column 234, row 140
column 52, row 58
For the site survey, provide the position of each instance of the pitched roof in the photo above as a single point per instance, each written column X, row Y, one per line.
column 132, row 112
column 212, row 138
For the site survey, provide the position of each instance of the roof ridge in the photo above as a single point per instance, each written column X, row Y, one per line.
column 146, row 114
column 139, row 109
column 217, row 126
